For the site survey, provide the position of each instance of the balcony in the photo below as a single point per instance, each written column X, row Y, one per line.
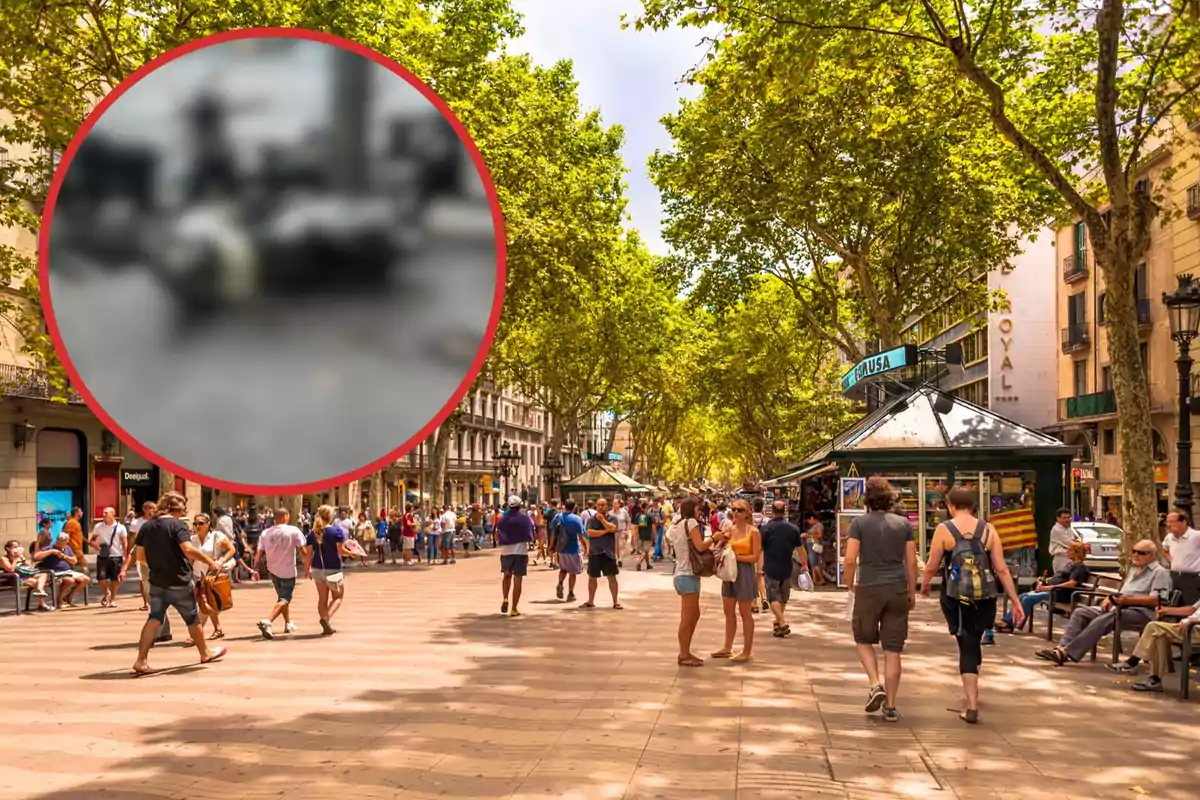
column 480, row 421
column 32, row 384
column 414, row 461
column 1075, row 337
column 1193, row 201
column 1087, row 405
column 1075, row 266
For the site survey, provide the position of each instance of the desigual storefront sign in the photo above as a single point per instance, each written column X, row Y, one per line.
column 136, row 477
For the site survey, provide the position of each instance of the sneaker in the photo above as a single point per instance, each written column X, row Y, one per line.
column 891, row 715
column 1151, row 684
column 291, row 627
column 649, row 566
column 876, row 699
column 1124, row 668
column 264, row 627
column 558, row 592
column 504, row 606
column 989, row 637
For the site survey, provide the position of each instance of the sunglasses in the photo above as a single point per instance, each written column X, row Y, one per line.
column 742, row 510
column 1143, row 553
column 199, row 523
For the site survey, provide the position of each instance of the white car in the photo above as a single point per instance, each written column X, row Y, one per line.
column 1103, row 542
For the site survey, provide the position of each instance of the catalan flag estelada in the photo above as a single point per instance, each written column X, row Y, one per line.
column 1016, row 528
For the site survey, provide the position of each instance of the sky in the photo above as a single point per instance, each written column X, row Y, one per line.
column 630, row 76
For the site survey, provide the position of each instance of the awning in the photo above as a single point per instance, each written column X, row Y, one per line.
column 807, row 471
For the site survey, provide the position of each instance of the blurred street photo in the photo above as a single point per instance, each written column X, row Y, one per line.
column 282, row 243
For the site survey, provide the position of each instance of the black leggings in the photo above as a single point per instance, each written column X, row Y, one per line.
column 967, row 623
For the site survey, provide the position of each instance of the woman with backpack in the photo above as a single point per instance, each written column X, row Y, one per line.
column 970, row 556
column 686, row 536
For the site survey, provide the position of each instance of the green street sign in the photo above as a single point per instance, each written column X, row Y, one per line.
column 894, row 359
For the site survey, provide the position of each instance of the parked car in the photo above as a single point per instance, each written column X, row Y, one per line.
column 1103, row 542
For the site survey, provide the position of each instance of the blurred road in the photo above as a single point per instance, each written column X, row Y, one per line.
column 286, row 392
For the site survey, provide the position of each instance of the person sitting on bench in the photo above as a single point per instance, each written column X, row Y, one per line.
column 1072, row 576
column 1155, row 644
column 15, row 562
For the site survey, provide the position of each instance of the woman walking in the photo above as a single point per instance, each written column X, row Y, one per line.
column 684, row 536
column 217, row 546
column 366, row 535
column 323, row 552
column 744, row 539
column 970, row 556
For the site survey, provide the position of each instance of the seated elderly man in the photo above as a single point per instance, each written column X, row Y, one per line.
column 1155, row 646
column 1136, row 602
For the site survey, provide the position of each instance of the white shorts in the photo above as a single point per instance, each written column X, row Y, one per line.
column 408, row 542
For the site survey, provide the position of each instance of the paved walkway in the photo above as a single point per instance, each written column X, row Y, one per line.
column 426, row 692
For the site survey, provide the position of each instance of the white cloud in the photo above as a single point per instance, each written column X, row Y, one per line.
column 629, row 75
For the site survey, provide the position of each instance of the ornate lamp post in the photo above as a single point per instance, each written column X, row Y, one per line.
column 505, row 459
column 1183, row 306
column 553, row 469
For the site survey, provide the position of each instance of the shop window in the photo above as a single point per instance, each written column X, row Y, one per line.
column 1108, row 441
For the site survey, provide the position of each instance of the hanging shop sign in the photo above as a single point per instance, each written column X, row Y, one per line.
column 1111, row 490
column 889, row 361
column 1160, row 473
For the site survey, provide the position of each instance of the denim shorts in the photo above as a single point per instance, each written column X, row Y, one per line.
column 284, row 588
column 180, row 598
column 687, row 584
column 447, row 541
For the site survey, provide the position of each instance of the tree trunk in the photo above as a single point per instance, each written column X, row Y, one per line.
column 166, row 481
column 1140, row 515
column 293, row 503
column 437, row 462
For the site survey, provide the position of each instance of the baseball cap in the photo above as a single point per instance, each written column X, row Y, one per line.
column 514, row 501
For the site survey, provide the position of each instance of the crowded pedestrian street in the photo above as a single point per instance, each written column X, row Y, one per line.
column 427, row 691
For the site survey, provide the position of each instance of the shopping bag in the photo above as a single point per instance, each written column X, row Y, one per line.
column 805, row 581
column 727, row 567
column 849, row 606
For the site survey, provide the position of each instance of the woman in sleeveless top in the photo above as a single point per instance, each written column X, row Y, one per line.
column 744, row 539
column 967, row 621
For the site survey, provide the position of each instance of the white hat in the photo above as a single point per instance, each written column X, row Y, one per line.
column 514, row 501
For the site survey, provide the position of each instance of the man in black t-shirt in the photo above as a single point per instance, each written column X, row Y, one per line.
column 780, row 540
column 166, row 544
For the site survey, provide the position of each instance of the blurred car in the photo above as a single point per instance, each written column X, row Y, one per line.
column 1103, row 543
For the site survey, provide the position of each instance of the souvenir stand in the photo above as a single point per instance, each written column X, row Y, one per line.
column 600, row 481
column 926, row 441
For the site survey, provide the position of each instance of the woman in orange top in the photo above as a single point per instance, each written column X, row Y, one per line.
column 744, row 539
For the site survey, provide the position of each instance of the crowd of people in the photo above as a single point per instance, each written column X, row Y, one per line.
column 758, row 553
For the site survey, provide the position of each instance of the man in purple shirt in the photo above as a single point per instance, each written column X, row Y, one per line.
column 515, row 534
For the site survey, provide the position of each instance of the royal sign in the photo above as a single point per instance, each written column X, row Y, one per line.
column 894, row 359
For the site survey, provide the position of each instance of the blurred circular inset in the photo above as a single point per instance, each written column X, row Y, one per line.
column 272, row 260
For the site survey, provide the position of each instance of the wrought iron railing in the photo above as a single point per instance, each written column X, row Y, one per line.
column 1075, row 266
column 1075, row 337
column 32, row 384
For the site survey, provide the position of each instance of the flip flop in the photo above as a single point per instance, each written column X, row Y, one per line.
column 722, row 654
column 742, row 658
column 618, row 607
column 216, row 655
column 588, row 605
column 141, row 673
column 690, row 661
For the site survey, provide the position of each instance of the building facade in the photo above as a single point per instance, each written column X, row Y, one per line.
column 1087, row 409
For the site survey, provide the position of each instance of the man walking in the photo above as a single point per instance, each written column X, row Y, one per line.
column 109, row 539
column 515, row 533
column 602, row 553
column 73, row 527
column 279, row 545
column 566, row 536
column 881, row 571
column 780, row 540
column 169, row 551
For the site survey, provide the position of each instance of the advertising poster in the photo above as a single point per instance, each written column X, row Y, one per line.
column 55, row 504
column 852, row 493
column 844, row 521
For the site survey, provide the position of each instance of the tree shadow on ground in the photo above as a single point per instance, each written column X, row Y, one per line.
column 591, row 704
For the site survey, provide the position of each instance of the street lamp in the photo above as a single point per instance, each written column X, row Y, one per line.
column 504, row 459
column 553, row 469
column 1183, row 307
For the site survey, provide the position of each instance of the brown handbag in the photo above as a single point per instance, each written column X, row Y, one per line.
column 704, row 562
column 219, row 590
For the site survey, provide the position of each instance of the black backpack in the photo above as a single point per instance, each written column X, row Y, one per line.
column 970, row 578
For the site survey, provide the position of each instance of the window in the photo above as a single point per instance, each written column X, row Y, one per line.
column 1144, row 355
column 1080, row 375
column 1100, row 301
column 975, row 345
column 1077, row 310
column 1080, row 242
column 1139, row 282
column 1106, row 384
column 976, row 393
column 1108, row 443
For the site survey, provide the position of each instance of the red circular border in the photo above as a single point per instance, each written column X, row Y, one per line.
column 261, row 33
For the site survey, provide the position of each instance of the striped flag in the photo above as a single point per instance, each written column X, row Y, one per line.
column 1016, row 528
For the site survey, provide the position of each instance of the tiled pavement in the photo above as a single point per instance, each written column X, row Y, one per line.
column 427, row 692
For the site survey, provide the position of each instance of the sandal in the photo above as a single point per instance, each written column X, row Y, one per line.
column 690, row 661
column 588, row 605
column 618, row 607
column 141, row 673
column 216, row 635
column 970, row 716
column 723, row 654
column 742, row 658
